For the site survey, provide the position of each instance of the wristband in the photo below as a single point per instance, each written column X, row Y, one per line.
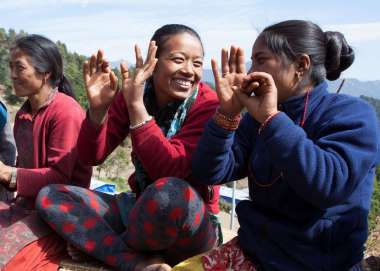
column 225, row 122
column 138, row 125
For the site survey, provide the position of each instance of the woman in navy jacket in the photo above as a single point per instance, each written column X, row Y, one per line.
column 310, row 155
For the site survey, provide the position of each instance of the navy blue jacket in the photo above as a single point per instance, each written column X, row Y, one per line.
column 310, row 187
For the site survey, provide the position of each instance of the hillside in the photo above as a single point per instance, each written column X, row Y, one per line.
column 72, row 67
column 352, row 87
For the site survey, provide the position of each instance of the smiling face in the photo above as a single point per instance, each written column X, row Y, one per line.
column 282, row 70
column 179, row 68
column 26, row 80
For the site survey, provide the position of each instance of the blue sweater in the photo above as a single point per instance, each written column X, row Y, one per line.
column 310, row 186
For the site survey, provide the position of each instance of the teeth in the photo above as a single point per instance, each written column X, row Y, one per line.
column 185, row 83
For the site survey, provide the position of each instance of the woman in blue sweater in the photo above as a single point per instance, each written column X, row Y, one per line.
column 310, row 155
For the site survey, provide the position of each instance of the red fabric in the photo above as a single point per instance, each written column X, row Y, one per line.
column 227, row 257
column 55, row 158
column 159, row 156
column 42, row 255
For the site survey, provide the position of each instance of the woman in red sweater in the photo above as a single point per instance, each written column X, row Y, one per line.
column 163, row 107
column 46, row 130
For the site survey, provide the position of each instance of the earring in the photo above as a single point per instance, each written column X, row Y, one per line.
column 299, row 75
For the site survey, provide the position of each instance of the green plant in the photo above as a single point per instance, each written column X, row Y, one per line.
column 375, row 203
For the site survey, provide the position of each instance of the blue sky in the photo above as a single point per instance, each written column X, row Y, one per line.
column 116, row 25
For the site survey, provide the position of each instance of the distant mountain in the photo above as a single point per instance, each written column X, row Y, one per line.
column 352, row 87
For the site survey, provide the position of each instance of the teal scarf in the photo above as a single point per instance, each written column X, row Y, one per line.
column 170, row 119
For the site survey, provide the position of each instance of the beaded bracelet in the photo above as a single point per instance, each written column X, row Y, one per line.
column 225, row 122
column 266, row 122
column 138, row 125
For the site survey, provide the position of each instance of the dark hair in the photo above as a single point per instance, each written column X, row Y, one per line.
column 329, row 52
column 45, row 58
column 165, row 32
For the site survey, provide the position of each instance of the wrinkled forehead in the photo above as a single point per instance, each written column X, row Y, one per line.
column 18, row 54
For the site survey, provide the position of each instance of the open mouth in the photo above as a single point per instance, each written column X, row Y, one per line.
column 182, row 83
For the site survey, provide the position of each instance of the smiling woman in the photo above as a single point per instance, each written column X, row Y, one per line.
column 163, row 107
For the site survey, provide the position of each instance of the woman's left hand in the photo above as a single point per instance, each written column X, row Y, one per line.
column 259, row 95
column 5, row 174
column 133, row 86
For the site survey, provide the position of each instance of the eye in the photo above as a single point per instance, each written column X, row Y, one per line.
column 198, row 64
column 261, row 60
column 178, row 60
column 20, row 68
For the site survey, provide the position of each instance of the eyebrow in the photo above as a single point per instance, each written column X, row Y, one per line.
column 17, row 62
column 182, row 53
column 256, row 55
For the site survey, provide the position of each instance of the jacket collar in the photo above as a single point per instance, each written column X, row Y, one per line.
column 294, row 106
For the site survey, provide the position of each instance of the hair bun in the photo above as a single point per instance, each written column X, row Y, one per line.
column 339, row 55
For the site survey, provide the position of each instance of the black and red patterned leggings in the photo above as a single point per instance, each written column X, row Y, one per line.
column 169, row 219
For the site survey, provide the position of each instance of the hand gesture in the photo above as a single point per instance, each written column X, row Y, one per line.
column 133, row 86
column 259, row 95
column 5, row 174
column 233, row 72
column 101, row 86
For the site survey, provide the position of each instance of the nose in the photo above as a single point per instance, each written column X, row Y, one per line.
column 13, row 73
column 187, row 68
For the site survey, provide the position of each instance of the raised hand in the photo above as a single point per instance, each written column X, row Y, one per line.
column 259, row 95
column 133, row 86
column 101, row 86
column 233, row 72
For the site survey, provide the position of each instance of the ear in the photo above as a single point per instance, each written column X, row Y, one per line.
column 47, row 76
column 303, row 63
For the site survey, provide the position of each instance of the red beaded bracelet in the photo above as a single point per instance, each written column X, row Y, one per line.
column 266, row 122
column 225, row 122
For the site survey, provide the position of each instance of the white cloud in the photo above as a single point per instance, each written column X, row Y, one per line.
column 116, row 25
column 356, row 33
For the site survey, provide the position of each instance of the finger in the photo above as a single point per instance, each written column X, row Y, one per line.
column 249, row 79
column 151, row 52
column 150, row 68
column 250, row 88
column 124, row 70
column 215, row 71
column 106, row 68
column 232, row 59
column 92, row 65
column 242, row 97
column 262, row 77
column 113, row 81
column 86, row 72
column 139, row 59
column 99, row 60
column 240, row 64
column 224, row 59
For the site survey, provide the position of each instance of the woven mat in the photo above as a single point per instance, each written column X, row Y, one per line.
column 71, row 265
column 369, row 264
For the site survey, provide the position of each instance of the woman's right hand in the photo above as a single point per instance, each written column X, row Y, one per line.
column 133, row 85
column 233, row 72
column 101, row 86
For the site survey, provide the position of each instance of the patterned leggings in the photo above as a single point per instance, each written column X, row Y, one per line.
column 169, row 219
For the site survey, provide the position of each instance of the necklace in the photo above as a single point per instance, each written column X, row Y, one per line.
column 301, row 124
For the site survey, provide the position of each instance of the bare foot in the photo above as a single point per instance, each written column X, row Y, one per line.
column 155, row 263
column 76, row 254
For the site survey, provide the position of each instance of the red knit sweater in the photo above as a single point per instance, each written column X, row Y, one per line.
column 160, row 157
column 46, row 145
